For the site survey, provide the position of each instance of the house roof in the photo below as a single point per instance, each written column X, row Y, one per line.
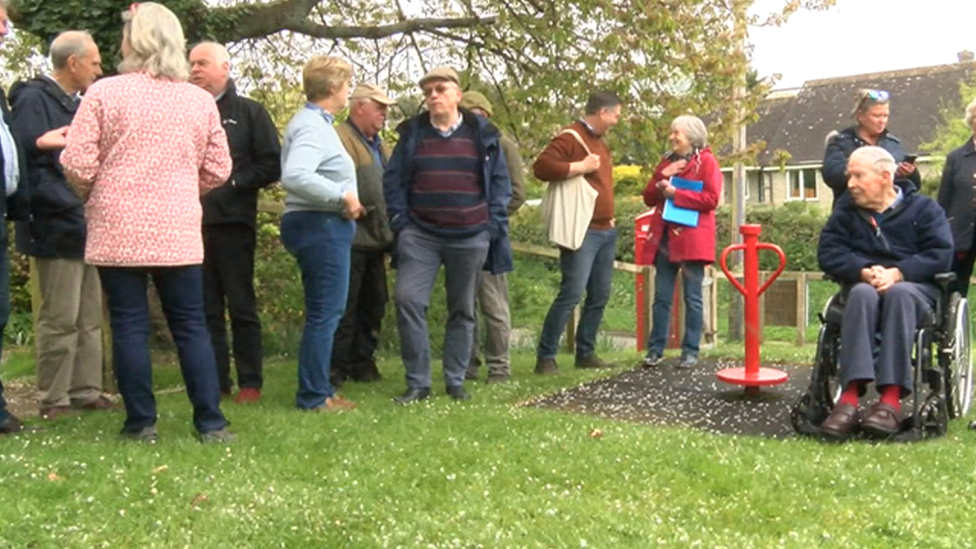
column 798, row 121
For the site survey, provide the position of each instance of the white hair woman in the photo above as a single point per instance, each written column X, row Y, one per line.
column 871, row 110
column 684, row 246
column 957, row 196
column 318, row 225
column 143, row 147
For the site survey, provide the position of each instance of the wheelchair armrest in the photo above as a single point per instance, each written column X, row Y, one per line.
column 944, row 279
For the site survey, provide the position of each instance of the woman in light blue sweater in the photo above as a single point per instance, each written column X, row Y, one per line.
column 318, row 225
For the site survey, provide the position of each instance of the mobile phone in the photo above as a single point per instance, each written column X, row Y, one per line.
column 910, row 158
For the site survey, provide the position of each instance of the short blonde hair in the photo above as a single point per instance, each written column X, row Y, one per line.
column 324, row 76
column 970, row 113
column 156, row 41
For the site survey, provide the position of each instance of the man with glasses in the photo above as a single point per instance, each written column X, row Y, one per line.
column 447, row 189
column 871, row 110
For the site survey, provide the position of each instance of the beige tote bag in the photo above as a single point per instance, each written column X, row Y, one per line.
column 567, row 207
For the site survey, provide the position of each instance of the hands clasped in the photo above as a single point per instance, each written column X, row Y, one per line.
column 881, row 278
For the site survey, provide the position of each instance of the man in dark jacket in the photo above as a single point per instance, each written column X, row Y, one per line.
column 447, row 192
column 886, row 243
column 69, row 323
column 357, row 336
column 230, row 219
column 10, row 161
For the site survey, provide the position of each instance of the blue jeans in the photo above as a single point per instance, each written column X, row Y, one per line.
column 181, row 294
column 322, row 244
column 693, row 274
column 4, row 307
column 589, row 268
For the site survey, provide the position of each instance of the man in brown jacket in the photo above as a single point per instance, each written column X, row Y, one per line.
column 357, row 335
column 492, row 290
column 590, row 267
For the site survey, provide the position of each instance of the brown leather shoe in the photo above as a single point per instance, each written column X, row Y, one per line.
column 51, row 413
column 840, row 423
column 546, row 367
column 335, row 403
column 11, row 425
column 101, row 403
column 882, row 421
column 592, row 363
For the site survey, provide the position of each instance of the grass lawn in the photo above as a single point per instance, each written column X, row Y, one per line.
column 483, row 474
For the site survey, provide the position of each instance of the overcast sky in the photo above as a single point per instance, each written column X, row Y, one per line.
column 861, row 36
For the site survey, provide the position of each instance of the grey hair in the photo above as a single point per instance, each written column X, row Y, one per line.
column 970, row 113
column 68, row 43
column 693, row 128
column 222, row 55
column 879, row 159
column 158, row 46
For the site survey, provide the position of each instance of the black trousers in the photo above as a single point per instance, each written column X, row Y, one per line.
column 358, row 333
column 228, row 283
column 962, row 265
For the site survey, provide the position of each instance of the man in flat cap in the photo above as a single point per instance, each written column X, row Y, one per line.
column 492, row 292
column 230, row 220
column 447, row 192
column 358, row 332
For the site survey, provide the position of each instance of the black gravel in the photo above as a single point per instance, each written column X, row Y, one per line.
column 666, row 395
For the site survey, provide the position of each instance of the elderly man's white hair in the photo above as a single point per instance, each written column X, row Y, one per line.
column 68, row 43
column 879, row 159
column 221, row 55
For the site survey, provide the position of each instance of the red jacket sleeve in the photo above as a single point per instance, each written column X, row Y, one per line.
column 652, row 195
column 710, row 175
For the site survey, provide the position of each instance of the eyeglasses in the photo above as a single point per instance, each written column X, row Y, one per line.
column 875, row 95
column 439, row 88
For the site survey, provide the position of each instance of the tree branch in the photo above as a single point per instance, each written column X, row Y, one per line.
column 257, row 21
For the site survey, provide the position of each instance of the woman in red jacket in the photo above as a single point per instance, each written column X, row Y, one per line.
column 672, row 246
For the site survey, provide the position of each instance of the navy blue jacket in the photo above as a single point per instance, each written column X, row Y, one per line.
column 56, row 226
column 398, row 178
column 839, row 150
column 256, row 151
column 914, row 236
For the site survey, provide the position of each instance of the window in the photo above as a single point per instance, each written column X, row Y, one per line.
column 802, row 184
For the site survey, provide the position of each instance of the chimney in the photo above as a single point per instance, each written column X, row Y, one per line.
column 965, row 56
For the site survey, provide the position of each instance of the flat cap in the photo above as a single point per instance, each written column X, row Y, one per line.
column 371, row 91
column 440, row 73
column 476, row 100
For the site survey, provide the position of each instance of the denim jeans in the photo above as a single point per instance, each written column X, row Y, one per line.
column 589, row 268
column 181, row 294
column 693, row 274
column 322, row 243
column 4, row 307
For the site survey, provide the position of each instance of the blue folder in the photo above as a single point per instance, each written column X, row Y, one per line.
column 677, row 214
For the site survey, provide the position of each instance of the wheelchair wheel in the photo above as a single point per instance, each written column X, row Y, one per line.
column 959, row 371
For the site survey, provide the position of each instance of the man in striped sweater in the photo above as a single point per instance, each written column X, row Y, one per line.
column 447, row 191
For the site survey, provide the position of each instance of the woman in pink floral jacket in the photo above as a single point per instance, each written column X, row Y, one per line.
column 143, row 147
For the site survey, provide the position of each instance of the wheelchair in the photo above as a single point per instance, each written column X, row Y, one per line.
column 943, row 369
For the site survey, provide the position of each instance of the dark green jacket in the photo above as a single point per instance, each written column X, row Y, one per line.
column 373, row 229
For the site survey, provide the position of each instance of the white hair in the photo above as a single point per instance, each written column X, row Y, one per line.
column 970, row 113
column 221, row 55
column 156, row 42
column 693, row 128
column 68, row 43
column 879, row 159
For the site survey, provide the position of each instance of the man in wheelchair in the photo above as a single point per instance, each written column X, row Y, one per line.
column 885, row 243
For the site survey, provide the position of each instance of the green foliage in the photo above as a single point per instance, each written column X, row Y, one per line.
column 951, row 132
column 794, row 227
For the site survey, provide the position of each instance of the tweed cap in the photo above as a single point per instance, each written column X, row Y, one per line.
column 476, row 100
column 440, row 73
column 371, row 91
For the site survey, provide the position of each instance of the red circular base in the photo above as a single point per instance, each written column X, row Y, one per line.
column 765, row 376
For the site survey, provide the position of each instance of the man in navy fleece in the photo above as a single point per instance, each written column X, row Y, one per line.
column 447, row 189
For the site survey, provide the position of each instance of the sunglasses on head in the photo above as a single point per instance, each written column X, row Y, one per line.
column 439, row 88
column 877, row 95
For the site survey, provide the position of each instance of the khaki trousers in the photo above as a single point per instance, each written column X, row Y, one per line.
column 69, row 333
column 495, row 325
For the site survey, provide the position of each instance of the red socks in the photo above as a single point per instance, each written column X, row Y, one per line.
column 891, row 395
column 851, row 394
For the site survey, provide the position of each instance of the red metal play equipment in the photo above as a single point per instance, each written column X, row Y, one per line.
column 752, row 376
